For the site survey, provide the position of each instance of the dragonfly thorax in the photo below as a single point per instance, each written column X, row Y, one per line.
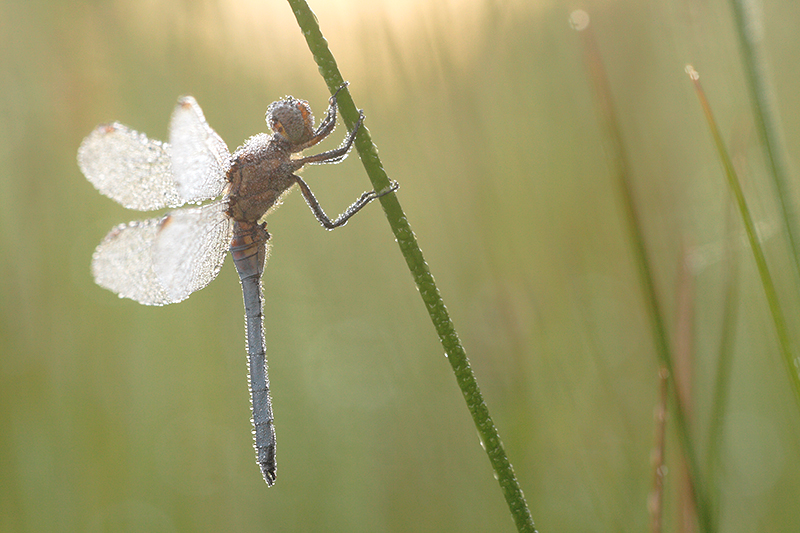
column 260, row 173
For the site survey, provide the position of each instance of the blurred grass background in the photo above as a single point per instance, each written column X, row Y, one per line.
column 120, row 417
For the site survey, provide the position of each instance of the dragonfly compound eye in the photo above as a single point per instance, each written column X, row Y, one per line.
column 292, row 119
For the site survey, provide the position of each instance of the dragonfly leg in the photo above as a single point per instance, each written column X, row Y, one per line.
column 342, row 219
column 326, row 125
column 332, row 156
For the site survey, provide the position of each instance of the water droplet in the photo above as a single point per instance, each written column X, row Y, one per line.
column 579, row 20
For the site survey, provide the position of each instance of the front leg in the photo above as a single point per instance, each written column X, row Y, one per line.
column 326, row 126
column 332, row 156
column 329, row 121
column 342, row 219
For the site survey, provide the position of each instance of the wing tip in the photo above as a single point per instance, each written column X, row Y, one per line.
column 108, row 128
column 187, row 102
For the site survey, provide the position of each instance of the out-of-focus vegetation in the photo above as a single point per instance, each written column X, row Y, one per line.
column 120, row 417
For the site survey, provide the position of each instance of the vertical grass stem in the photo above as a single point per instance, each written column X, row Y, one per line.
column 770, row 292
column 747, row 16
column 426, row 285
column 619, row 160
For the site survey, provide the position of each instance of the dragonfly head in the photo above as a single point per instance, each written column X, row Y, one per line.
column 291, row 119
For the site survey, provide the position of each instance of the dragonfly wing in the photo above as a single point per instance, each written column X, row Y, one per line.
column 190, row 248
column 200, row 158
column 123, row 263
column 163, row 260
column 129, row 168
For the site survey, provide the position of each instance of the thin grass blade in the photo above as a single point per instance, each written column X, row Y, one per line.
column 421, row 273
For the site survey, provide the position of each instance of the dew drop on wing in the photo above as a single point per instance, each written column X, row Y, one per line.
column 129, row 168
column 200, row 158
column 122, row 263
column 190, row 248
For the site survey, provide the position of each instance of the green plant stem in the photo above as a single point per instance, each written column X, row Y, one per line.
column 621, row 169
column 746, row 14
column 771, row 293
column 421, row 274
column 724, row 361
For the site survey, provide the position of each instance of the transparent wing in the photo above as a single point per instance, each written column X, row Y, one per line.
column 200, row 158
column 162, row 261
column 129, row 168
column 191, row 248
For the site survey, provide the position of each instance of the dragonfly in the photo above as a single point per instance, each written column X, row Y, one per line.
column 165, row 259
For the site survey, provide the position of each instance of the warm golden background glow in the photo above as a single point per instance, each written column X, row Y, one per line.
column 120, row 417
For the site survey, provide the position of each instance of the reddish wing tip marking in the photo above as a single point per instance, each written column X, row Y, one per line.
column 166, row 221
column 114, row 232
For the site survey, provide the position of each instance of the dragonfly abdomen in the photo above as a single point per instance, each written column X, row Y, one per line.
column 249, row 251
